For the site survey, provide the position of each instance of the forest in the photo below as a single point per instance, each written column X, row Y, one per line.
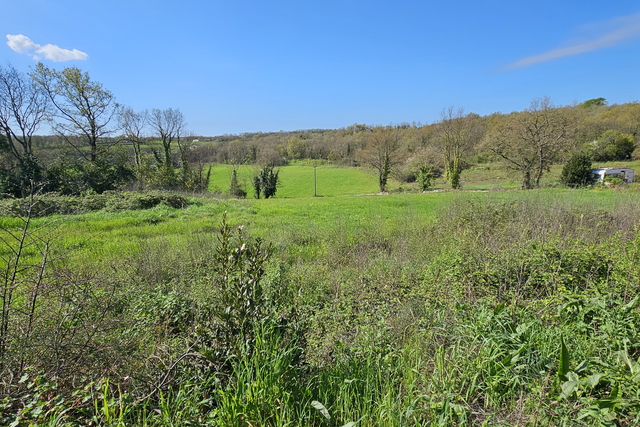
column 153, row 277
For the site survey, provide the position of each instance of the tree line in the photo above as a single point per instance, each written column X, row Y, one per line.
column 526, row 142
column 98, row 144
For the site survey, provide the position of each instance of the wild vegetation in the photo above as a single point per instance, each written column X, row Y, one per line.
column 380, row 304
column 508, row 308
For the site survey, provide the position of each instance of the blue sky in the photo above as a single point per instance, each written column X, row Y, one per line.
column 243, row 66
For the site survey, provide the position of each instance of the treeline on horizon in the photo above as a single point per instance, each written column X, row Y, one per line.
column 100, row 145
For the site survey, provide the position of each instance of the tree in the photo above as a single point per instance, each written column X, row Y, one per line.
column 236, row 190
column 85, row 108
column 456, row 134
column 595, row 102
column 133, row 126
column 169, row 125
column 23, row 108
column 577, row 171
column 532, row 140
column 266, row 182
column 381, row 152
column 612, row 145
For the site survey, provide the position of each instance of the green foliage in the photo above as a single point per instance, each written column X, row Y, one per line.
column 266, row 182
column 522, row 312
column 577, row 171
column 19, row 178
column 235, row 189
column 108, row 172
column 55, row 204
column 238, row 271
column 612, row 145
column 595, row 102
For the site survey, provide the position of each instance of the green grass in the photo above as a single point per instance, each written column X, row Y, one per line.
column 404, row 315
column 297, row 181
column 106, row 235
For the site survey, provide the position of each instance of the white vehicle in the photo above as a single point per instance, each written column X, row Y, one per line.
column 599, row 175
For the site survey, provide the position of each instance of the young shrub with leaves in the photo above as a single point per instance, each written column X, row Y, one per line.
column 239, row 266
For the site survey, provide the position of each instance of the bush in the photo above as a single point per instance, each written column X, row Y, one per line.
column 577, row 171
column 72, row 177
column 52, row 204
column 266, row 182
column 425, row 177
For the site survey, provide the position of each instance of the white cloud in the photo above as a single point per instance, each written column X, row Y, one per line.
column 23, row 44
column 20, row 43
column 624, row 28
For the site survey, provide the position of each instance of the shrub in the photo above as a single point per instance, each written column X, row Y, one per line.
column 425, row 177
column 266, row 182
column 577, row 171
column 52, row 204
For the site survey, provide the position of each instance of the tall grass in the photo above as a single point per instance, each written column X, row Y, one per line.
column 506, row 308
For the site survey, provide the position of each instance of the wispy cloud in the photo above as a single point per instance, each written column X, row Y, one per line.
column 23, row 44
column 620, row 29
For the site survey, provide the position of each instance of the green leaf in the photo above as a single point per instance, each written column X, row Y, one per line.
column 625, row 358
column 570, row 386
column 629, row 306
column 320, row 407
column 563, row 366
column 581, row 367
column 593, row 380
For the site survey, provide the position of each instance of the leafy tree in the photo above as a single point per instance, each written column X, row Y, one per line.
column 85, row 108
column 595, row 102
column 257, row 188
column 110, row 171
column 296, row 148
column 612, row 145
column 577, row 171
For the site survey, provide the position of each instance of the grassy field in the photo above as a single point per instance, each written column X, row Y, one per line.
column 496, row 308
column 297, row 180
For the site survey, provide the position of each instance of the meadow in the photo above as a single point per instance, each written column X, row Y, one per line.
column 495, row 307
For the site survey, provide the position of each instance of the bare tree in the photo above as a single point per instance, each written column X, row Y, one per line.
column 23, row 108
column 382, row 152
column 85, row 107
column 133, row 125
column 168, row 125
column 456, row 133
column 531, row 140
